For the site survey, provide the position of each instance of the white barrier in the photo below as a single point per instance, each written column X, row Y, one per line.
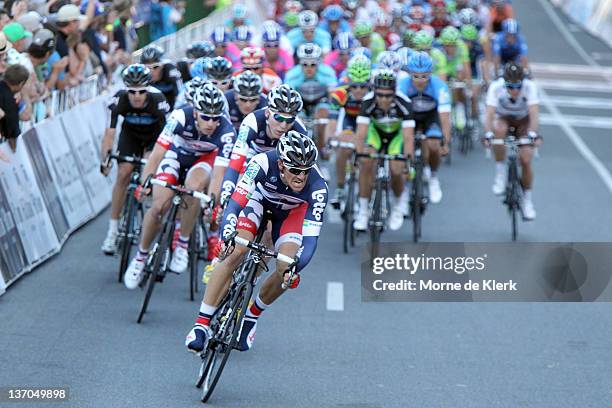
column 595, row 16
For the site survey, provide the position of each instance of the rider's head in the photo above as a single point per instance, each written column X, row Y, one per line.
column 242, row 36
column 219, row 38
column 208, row 105
column 510, row 27
column 219, row 72
column 191, row 88
column 271, row 38
column 152, row 57
column 362, row 30
column 284, row 103
column 309, row 55
column 513, row 78
column 308, row 20
column 297, row 154
column 449, row 37
column 252, row 59
column 359, row 70
column 137, row 78
column 344, row 43
column 247, row 90
column 333, row 14
column 469, row 32
column 385, row 81
column 422, row 40
column 420, row 67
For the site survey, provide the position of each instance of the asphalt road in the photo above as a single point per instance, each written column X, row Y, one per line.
column 69, row 323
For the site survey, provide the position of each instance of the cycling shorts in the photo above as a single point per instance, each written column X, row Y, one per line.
column 176, row 166
column 133, row 144
column 385, row 142
column 521, row 125
column 429, row 124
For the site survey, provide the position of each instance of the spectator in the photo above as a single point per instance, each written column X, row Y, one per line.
column 31, row 21
column 90, row 35
column 4, row 47
column 4, row 18
column 68, row 18
column 14, row 79
column 41, row 49
column 17, row 35
column 164, row 18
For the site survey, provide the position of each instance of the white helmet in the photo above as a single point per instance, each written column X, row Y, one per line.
column 308, row 19
column 309, row 51
column 296, row 150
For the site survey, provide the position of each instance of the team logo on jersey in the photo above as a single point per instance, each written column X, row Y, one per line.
column 251, row 173
column 274, row 179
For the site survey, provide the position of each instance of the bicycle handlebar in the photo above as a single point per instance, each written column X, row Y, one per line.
column 397, row 157
column 520, row 141
column 118, row 157
column 339, row 144
column 182, row 190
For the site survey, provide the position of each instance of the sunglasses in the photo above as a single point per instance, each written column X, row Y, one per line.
column 384, row 95
column 271, row 45
column 225, row 82
column 309, row 64
column 283, row 119
column 422, row 76
column 207, row 118
column 137, row 91
column 154, row 66
column 297, row 172
column 360, row 86
column 253, row 67
column 514, row 85
column 248, row 100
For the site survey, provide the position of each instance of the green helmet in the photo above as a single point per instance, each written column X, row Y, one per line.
column 469, row 32
column 291, row 19
column 362, row 28
column 422, row 40
column 451, row 7
column 449, row 36
column 359, row 69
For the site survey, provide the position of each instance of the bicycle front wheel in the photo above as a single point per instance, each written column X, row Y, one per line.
column 348, row 214
column 127, row 233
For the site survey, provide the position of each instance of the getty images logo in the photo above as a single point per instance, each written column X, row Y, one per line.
column 422, row 263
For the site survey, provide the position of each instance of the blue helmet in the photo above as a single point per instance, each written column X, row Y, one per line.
column 333, row 13
column 219, row 35
column 404, row 54
column 420, row 62
column 271, row 31
column 344, row 41
column 510, row 26
column 197, row 69
column 362, row 51
column 239, row 11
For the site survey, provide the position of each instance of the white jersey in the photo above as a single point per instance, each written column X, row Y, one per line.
column 505, row 106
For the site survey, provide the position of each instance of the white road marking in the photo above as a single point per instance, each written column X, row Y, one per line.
column 581, row 102
column 589, row 86
column 335, row 296
column 570, row 69
column 573, row 136
column 577, row 120
column 602, row 56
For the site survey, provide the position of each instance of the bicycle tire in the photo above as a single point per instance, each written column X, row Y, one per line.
column 194, row 258
column 348, row 215
column 126, row 241
column 164, row 241
column 417, row 187
column 513, row 199
column 376, row 214
column 242, row 298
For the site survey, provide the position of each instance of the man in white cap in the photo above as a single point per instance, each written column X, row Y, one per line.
column 31, row 21
column 67, row 21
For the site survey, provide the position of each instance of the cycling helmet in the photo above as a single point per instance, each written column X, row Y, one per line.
column 362, row 29
column 382, row 19
column 344, row 41
column 239, row 12
column 43, row 41
column 451, row 6
column 417, row 13
column 291, row 19
column 136, row 76
column 350, row 4
column 469, row 32
column 252, row 56
column 308, row 19
column 420, row 63
column 219, row 36
column 191, row 87
column 385, row 79
column 389, row 60
column 285, row 99
column 200, row 49
column 242, row 33
column 333, row 13
column 293, row 6
column 397, row 10
column 198, row 67
column 449, row 36
column 208, row 99
column 271, row 31
column 513, row 73
column 247, row 84
column 359, row 69
column 468, row 16
column 404, row 54
column 510, row 26
column 362, row 51
column 309, row 51
column 218, row 68
column 422, row 40
column 151, row 54
column 296, row 150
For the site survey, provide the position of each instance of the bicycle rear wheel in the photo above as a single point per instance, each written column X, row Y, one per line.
column 513, row 198
column 349, row 233
column 417, row 198
column 126, row 234
column 194, row 258
column 224, row 341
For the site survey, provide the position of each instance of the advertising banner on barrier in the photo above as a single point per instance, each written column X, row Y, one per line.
column 64, row 173
column 12, row 255
column 27, row 206
column 88, row 159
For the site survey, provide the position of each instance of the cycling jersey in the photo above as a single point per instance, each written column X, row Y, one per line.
column 439, row 61
column 252, row 139
column 428, row 103
column 234, row 111
column 232, row 53
column 343, row 27
column 321, row 38
column 507, row 107
column 455, row 64
column 169, row 83
column 377, row 45
column 509, row 52
column 345, row 106
column 334, row 60
column 269, row 79
column 476, row 55
column 188, row 149
column 325, row 75
column 146, row 121
column 296, row 216
column 283, row 64
column 439, row 24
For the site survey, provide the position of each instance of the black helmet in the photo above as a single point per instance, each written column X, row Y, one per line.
column 385, row 79
column 191, row 87
column 151, row 54
column 285, row 99
column 208, row 99
column 136, row 75
column 200, row 49
column 43, row 41
column 297, row 150
column 218, row 68
column 248, row 84
column 513, row 73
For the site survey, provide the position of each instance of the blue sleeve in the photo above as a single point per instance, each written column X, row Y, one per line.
column 404, row 85
column 313, row 222
column 327, row 76
column 295, row 77
column 497, row 45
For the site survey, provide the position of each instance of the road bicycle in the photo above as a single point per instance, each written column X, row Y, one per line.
column 350, row 194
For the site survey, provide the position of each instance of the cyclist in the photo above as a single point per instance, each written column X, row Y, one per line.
column 382, row 26
column 277, row 58
column 423, row 41
column 510, row 46
column 343, row 45
column 391, row 60
column 431, row 106
column 385, row 124
column 245, row 98
column 343, row 111
column 242, row 37
column 164, row 75
column 198, row 140
column 144, row 110
column 478, row 63
column 252, row 59
column 363, row 32
column 440, row 19
column 219, row 71
column 200, row 49
column 333, row 21
column 286, row 182
column 223, row 46
column 308, row 32
column 513, row 101
column 500, row 10
column 239, row 17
